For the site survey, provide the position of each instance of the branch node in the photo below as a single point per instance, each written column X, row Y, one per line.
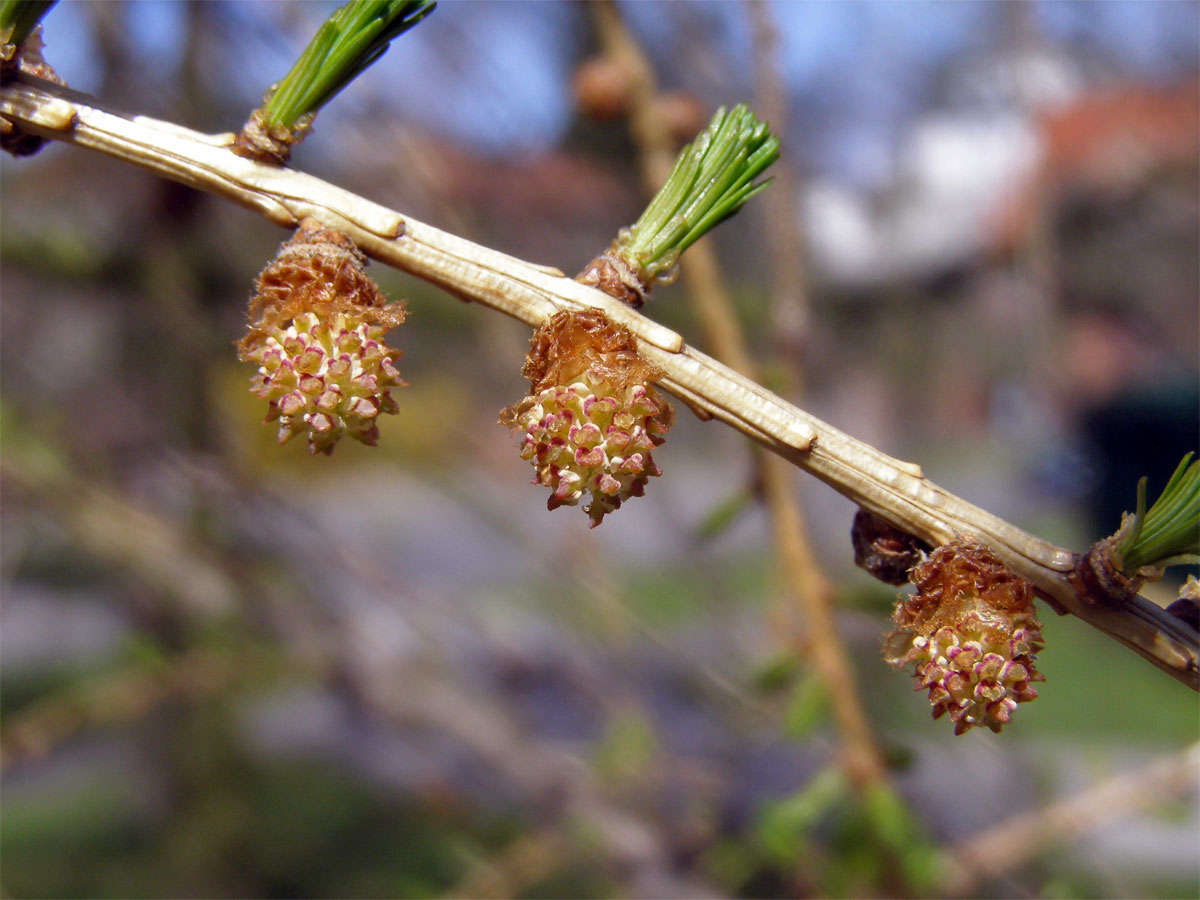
column 1098, row 578
column 611, row 273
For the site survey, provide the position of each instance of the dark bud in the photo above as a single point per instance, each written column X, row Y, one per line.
column 883, row 550
column 1187, row 607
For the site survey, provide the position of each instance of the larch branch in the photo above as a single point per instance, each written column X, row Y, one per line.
column 890, row 488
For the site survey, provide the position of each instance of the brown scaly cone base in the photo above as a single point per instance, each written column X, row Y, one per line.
column 971, row 631
column 592, row 417
column 316, row 326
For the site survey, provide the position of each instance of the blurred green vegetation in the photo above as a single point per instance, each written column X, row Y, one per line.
column 241, row 827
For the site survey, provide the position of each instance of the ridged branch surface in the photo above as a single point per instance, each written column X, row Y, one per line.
column 531, row 293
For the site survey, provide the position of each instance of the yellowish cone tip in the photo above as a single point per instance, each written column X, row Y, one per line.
column 971, row 631
column 316, row 334
column 592, row 417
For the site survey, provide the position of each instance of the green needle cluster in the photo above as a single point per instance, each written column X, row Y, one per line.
column 713, row 176
column 22, row 17
column 346, row 44
column 1169, row 534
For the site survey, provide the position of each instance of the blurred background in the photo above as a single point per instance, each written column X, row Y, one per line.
column 231, row 669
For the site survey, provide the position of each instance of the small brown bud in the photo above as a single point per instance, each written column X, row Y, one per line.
column 682, row 113
column 1187, row 607
column 603, row 89
column 883, row 550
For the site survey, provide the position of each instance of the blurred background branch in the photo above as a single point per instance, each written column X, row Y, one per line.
column 812, row 635
column 1007, row 844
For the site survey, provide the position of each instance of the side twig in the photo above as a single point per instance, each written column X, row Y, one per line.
column 888, row 487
